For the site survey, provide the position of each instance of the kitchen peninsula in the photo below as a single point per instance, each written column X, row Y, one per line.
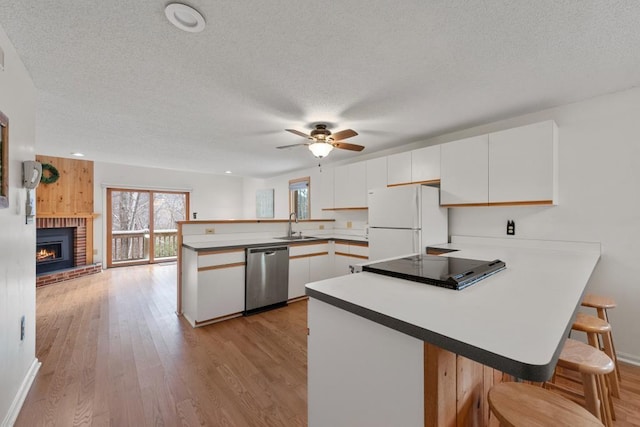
column 386, row 351
column 213, row 261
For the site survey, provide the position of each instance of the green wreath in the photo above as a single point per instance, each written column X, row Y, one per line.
column 52, row 176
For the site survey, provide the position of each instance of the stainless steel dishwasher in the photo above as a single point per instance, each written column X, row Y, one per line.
column 267, row 278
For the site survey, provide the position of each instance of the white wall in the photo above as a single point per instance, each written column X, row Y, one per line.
column 17, row 239
column 599, row 178
column 212, row 196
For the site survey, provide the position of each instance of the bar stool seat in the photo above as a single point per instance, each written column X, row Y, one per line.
column 593, row 365
column 602, row 304
column 594, row 327
column 520, row 404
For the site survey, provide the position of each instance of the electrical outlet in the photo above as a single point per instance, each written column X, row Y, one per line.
column 209, row 231
column 349, row 224
column 95, row 252
column 321, row 226
column 22, row 322
column 511, row 227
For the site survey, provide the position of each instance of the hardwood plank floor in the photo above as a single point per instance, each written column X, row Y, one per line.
column 114, row 353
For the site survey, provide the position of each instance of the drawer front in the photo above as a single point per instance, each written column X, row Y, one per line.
column 220, row 258
column 359, row 250
column 297, row 250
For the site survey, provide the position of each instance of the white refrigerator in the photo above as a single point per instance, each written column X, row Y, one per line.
column 404, row 220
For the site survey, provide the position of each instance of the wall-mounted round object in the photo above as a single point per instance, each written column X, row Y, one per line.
column 185, row 17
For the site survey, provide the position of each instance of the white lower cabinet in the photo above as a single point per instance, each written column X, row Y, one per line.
column 212, row 284
column 308, row 262
column 298, row 276
column 221, row 292
column 347, row 254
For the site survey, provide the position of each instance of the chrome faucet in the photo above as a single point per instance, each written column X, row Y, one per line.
column 290, row 232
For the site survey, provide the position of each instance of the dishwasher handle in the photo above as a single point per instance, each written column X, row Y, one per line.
column 268, row 250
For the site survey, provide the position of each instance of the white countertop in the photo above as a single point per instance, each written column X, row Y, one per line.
column 516, row 318
column 252, row 241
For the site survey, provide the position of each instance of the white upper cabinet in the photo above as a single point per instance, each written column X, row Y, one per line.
column 399, row 168
column 325, row 188
column 350, row 185
column 523, row 164
column 465, row 171
column 425, row 164
column 377, row 173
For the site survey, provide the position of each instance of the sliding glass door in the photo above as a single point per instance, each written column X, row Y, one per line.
column 142, row 225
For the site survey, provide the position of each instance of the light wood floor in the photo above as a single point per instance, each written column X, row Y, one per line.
column 113, row 352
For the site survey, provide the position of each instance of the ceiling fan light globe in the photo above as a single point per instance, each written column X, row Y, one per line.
column 320, row 149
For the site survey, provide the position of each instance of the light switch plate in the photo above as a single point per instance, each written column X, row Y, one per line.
column 209, row 231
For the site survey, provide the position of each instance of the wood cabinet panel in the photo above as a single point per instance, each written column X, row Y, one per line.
column 72, row 193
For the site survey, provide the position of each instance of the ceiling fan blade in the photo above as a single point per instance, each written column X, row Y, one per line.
column 297, row 132
column 292, row 145
column 344, row 134
column 347, row 146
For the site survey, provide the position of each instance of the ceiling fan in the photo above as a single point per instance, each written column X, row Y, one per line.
column 322, row 141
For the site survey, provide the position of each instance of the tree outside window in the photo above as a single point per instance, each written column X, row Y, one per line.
column 300, row 197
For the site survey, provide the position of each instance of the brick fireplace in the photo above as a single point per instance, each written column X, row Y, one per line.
column 78, row 265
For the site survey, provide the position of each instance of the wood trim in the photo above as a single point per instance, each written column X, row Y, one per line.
column 107, row 235
column 221, row 266
column 352, row 255
column 298, row 299
column 67, row 215
column 179, row 271
column 219, row 251
column 361, row 244
column 427, row 182
column 217, row 319
column 88, row 256
column 247, row 221
column 310, row 243
column 523, row 203
column 363, row 208
column 309, row 255
column 464, row 205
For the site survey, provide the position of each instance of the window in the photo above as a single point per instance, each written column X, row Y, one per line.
column 300, row 197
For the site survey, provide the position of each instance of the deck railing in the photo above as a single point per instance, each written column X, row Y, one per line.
column 134, row 245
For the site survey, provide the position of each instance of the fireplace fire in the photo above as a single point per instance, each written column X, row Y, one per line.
column 45, row 254
column 54, row 249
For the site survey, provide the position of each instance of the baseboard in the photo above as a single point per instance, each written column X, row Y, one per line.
column 16, row 405
column 628, row 358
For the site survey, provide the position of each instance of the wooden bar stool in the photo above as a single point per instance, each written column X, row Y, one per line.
column 594, row 327
column 602, row 304
column 520, row 404
column 593, row 365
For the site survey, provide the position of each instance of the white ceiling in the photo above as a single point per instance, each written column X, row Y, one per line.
column 118, row 82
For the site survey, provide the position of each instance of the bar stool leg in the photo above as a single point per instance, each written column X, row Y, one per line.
column 592, row 338
column 591, row 395
column 602, row 313
column 605, row 403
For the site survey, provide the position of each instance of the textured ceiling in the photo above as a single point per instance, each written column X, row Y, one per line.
column 118, row 82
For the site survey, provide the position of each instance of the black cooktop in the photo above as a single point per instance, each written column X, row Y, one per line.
column 447, row 272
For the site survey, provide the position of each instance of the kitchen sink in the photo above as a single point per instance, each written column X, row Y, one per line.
column 298, row 237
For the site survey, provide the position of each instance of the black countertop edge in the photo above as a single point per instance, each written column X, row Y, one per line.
column 520, row 370
column 267, row 244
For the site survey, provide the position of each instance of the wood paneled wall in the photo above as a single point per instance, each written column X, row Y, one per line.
column 72, row 194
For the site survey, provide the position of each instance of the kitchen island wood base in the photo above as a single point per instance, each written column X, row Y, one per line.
column 455, row 389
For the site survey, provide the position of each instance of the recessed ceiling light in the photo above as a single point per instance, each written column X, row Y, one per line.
column 184, row 17
column 227, row 171
column 77, row 154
